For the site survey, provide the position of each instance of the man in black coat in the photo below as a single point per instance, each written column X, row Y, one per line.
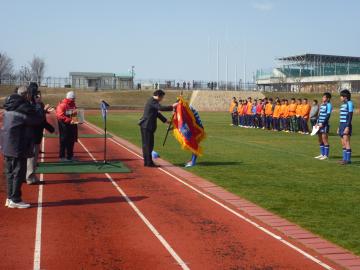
column 17, row 142
column 41, row 110
column 148, row 124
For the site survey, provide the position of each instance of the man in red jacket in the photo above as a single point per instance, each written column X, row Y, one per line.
column 65, row 112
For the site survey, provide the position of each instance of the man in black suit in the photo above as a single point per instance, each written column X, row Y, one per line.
column 148, row 124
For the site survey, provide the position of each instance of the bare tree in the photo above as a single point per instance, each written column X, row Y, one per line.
column 37, row 66
column 25, row 74
column 6, row 65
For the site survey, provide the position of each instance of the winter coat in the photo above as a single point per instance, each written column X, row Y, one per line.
column 39, row 130
column 17, row 133
column 64, row 112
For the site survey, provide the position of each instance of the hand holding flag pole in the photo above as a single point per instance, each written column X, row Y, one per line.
column 169, row 128
column 171, row 121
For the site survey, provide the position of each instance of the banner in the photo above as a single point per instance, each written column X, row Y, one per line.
column 104, row 108
column 188, row 128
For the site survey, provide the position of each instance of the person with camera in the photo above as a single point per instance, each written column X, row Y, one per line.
column 17, row 142
column 65, row 114
column 41, row 110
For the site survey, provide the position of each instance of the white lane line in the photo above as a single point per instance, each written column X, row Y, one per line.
column 37, row 251
column 277, row 237
column 142, row 216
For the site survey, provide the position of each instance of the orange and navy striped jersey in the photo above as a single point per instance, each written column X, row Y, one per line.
column 292, row 109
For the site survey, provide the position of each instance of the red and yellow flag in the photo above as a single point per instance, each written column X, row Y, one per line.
column 188, row 128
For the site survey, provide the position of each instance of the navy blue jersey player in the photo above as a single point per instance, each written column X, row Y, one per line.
column 345, row 125
column 324, row 126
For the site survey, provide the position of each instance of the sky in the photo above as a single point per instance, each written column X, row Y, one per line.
column 175, row 39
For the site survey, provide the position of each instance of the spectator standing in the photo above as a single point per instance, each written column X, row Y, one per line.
column 42, row 110
column 314, row 113
column 68, row 129
column 17, row 137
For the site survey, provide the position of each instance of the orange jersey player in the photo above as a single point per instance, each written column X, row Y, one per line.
column 305, row 113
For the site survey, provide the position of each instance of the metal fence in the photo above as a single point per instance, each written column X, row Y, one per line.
column 51, row 82
column 141, row 84
column 194, row 84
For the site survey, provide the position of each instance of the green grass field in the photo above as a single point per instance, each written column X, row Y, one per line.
column 275, row 170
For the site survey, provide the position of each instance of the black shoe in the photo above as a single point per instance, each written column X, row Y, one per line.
column 152, row 165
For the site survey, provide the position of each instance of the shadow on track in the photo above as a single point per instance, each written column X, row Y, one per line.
column 105, row 200
column 80, row 181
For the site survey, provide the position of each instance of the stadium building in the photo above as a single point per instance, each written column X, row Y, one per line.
column 311, row 73
column 96, row 80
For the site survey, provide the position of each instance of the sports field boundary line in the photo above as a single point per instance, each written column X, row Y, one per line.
column 151, row 227
column 37, row 249
column 302, row 237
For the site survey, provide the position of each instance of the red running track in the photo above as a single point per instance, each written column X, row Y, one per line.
column 140, row 220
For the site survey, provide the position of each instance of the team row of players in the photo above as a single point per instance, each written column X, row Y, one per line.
column 294, row 116
column 283, row 115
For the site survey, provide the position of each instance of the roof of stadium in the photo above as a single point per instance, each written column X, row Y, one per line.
column 324, row 58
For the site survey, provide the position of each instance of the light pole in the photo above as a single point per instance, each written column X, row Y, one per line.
column 132, row 76
column 235, row 77
column 217, row 62
column 227, row 67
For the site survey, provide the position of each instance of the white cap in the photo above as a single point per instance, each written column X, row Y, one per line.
column 70, row 95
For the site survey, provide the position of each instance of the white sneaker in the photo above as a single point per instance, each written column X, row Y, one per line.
column 189, row 164
column 323, row 158
column 20, row 205
column 32, row 180
column 318, row 157
column 7, row 202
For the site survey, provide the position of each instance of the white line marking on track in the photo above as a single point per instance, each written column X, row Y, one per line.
column 142, row 216
column 277, row 237
column 37, row 251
